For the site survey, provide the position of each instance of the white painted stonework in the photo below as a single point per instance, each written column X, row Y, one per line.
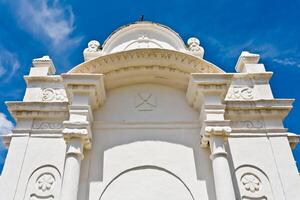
column 145, row 117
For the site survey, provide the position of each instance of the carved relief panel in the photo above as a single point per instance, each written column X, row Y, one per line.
column 253, row 183
column 54, row 94
column 240, row 93
column 44, row 184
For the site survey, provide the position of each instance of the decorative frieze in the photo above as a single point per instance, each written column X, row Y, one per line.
column 248, row 124
column 47, row 125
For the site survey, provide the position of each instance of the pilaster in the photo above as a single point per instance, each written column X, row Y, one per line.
column 206, row 92
column 85, row 92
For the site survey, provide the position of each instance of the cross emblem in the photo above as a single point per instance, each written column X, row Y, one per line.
column 145, row 101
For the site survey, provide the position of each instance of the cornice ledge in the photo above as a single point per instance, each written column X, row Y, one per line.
column 50, row 78
column 37, row 106
column 30, row 110
column 260, row 104
column 254, row 75
column 145, row 57
column 293, row 139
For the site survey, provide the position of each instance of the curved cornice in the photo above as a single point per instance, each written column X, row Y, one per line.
column 146, row 65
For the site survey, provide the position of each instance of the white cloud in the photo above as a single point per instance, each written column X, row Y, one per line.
column 9, row 64
column 48, row 20
column 287, row 61
column 5, row 125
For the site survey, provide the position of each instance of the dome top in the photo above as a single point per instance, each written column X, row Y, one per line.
column 143, row 34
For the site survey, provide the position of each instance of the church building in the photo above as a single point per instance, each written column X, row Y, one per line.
column 146, row 117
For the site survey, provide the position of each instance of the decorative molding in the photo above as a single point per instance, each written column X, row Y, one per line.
column 47, row 125
column 75, row 132
column 54, row 94
column 217, row 130
column 145, row 101
column 240, row 93
column 150, row 57
column 248, row 124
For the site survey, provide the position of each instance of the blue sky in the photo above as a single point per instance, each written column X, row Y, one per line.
column 62, row 29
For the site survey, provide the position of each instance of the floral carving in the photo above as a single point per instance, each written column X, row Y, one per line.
column 50, row 94
column 240, row 93
column 45, row 182
column 251, row 182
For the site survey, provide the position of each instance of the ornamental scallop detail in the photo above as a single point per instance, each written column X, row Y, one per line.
column 251, row 182
column 45, row 182
column 240, row 93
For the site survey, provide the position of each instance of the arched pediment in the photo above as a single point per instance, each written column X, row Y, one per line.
column 146, row 66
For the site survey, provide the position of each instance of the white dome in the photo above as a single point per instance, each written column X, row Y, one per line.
column 141, row 35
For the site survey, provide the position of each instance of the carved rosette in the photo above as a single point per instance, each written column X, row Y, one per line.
column 45, row 182
column 240, row 93
column 251, row 182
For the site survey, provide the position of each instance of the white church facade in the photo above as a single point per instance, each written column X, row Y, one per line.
column 145, row 117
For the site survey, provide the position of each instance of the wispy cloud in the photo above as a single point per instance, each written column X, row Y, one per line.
column 49, row 21
column 286, row 57
column 287, row 61
column 9, row 64
column 5, row 125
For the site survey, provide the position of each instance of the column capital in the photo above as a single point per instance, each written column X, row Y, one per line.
column 214, row 128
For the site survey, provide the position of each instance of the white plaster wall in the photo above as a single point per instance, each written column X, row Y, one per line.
column 137, row 154
column 270, row 160
column 39, row 153
column 13, row 166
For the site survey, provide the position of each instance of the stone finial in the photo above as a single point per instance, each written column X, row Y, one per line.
column 248, row 62
column 42, row 67
column 195, row 48
column 92, row 51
